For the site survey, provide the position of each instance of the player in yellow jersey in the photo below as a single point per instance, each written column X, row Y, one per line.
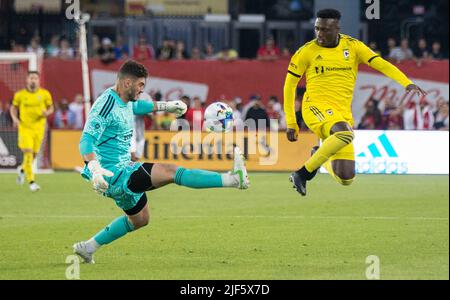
column 34, row 104
column 330, row 65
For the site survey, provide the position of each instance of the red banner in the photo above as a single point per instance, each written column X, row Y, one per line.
column 239, row 78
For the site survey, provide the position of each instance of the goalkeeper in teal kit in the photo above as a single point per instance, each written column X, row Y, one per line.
column 105, row 147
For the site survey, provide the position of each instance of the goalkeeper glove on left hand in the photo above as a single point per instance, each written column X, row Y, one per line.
column 177, row 107
column 98, row 181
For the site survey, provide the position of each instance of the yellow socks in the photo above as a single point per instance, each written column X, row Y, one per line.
column 27, row 166
column 330, row 146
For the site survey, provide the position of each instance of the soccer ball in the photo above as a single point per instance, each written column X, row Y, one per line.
column 218, row 117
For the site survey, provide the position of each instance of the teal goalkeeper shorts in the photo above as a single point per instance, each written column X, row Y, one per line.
column 118, row 186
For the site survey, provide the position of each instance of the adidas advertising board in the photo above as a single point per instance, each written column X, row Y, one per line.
column 401, row 152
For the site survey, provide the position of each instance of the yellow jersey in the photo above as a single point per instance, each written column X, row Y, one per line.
column 331, row 73
column 31, row 106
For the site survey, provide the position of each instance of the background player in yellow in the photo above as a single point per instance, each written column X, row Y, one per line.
column 33, row 104
column 330, row 64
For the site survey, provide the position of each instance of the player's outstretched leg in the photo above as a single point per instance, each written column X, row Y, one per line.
column 163, row 174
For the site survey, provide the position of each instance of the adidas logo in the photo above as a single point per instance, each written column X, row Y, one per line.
column 3, row 148
column 374, row 150
column 319, row 57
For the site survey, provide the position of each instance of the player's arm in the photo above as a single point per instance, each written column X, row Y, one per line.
column 373, row 60
column 93, row 130
column 14, row 110
column 49, row 106
column 295, row 72
column 177, row 107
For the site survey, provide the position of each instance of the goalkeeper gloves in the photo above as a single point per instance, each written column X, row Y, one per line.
column 177, row 107
column 98, row 181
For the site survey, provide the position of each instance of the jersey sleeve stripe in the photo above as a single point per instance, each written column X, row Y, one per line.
column 293, row 74
column 108, row 102
column 373, row 58
column 109, row 109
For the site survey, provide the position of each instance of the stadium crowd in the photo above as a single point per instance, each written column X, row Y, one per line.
column 378, row 115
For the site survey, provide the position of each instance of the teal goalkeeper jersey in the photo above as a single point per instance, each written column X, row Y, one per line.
column 111, row 123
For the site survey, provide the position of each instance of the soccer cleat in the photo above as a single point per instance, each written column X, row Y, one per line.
column 299, row 183
column 299, row 180
column 20, row 176
column 34, row 187
column 81, row 250
column 240, row 170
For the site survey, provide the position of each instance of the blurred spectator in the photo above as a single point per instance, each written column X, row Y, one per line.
column 393, row 119
column 227, row 54
column 77, row 108
column 194, row 114
column 16, row 47
column 53, row 47
column 256, row 113
column 274, row 113
column 143, row 51
column 95, row 45
column 166, row 51
column 121, row 50
column 35, row 47
column 286, row 54
column 436, row 52
column 418, row 116
column 399, row 54
column 421, row 51
column 65, row 51
column 234, row 104
column 180, row 51
column 391, row 44
column 372, row 119
column 106, row 51
column 269, row 51
column 209, row 52
column 196, row 54
column 441, row 115
column 373, row 45
column 64, row 118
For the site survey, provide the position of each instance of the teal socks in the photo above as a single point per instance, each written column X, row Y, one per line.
column 197, row 179
column 118, row 228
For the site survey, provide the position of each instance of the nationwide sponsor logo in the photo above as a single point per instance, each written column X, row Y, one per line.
column 381, row 158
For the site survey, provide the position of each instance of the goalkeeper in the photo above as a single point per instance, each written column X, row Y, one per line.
column 105, row 144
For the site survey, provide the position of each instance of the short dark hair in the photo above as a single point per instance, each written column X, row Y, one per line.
column 329, row 13
column 33, row 72
column 132, row 68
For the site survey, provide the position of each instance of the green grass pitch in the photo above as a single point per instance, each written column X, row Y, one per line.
column 266, row 232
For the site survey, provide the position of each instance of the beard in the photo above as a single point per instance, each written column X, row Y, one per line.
column 131, row 95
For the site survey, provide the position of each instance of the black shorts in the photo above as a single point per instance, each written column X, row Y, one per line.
column 140, row 182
